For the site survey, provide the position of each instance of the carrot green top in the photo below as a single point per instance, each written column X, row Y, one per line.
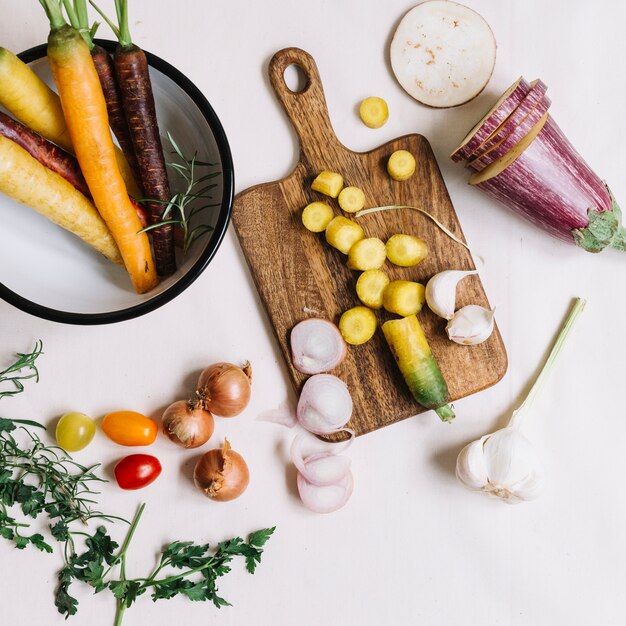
column 54, row 12
column 122, row 31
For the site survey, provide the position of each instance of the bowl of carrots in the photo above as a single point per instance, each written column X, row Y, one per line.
column 116, row 178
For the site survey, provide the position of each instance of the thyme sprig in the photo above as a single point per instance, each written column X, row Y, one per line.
column 184, row 205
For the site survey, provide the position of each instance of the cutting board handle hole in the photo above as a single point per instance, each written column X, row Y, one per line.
column 295, row 78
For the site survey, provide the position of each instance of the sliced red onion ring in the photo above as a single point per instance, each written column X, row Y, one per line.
column 284, row 414
column 316, row 346
column 325, row 499
column 325, row 404
column 323, row 468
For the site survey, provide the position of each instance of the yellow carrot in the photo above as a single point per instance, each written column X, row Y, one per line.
column 26, row 180
column 34, row 104
column 86, row 116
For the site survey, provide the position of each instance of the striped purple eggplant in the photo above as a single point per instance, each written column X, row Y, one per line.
column 550, row 184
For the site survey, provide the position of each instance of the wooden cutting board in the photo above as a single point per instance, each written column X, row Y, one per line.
column 297, row 273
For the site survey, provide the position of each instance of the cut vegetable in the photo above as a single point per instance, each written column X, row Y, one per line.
column 325, row 499
column 500, row 148
column 548, row 182
column 404, row 297
column 328, row 183
column 316, row 346
column 507, row 159
column 443, row 53
column 342, row 233
column 507, row 102
column 374, row 112
column 325, row 404
column 351, row 199
column 367, row 254
column 316, row 216
column 358, row 325
column 406, row 250
column 26, row 180
column 418, row 366
column 370, row 287
column 534, row 98
column 401, row 165
column 322, row 468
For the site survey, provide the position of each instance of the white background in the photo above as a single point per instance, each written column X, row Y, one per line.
column 411, row 546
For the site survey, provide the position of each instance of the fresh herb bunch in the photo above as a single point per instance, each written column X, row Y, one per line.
column 197, row 579
column 41, row 479
column 184, row 205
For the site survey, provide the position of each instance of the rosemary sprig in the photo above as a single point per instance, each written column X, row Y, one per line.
column 184, row 205
column 24, row 368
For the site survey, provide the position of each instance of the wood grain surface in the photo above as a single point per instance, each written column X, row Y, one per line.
column 296, row 271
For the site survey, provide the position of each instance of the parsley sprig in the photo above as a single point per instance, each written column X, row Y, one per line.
column 197, row 579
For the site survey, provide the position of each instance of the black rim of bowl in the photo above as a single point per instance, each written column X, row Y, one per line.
column 211, row 247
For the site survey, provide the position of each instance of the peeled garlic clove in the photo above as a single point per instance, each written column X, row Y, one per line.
column 471, row 469
column 470, row 325
column 441, row 292
column 503, row 464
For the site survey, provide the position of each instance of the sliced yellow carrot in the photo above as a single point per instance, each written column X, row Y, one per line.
column 367, row 254
column 351, row 199
column 374, row 112
column 26, row 180
column 328, row 183
column 406, row 250
column 342, row 233
column 401, row 165
column 370, row 287
column 404, row 297
column 316, row 216
column 33, row 103
column 358, row 325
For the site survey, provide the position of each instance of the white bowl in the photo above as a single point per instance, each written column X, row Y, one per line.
column 48, row 272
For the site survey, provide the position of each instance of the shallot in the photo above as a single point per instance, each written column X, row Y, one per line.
column 224, row 388
column 325, row 404
column 325, row 499
column 322, row 468
column 222, row 474
column 188, row 424
column 316, row 346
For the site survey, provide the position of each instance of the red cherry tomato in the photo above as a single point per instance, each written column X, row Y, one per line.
column 129, row 428
column 137, row 471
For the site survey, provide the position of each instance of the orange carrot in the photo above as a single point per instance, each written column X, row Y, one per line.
column 85, row 112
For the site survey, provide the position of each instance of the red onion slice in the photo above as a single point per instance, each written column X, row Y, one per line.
column 316, row 346
column 323, row 468
column 325, row 499
column 325, row 404
column 507, row 102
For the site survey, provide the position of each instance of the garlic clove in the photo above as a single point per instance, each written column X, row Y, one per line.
column 471, row 468
column 441, row 291
column 471, row 325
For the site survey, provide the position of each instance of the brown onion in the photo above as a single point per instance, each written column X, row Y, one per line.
column 224, row 388
column 222, row 474
column 188, row 423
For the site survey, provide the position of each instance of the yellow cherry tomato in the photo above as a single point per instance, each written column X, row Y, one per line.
column 129, row 428
column 75, row 431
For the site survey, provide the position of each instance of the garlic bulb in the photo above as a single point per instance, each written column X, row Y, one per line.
column 471, row 325
column 503, row 464
column 441, row 292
